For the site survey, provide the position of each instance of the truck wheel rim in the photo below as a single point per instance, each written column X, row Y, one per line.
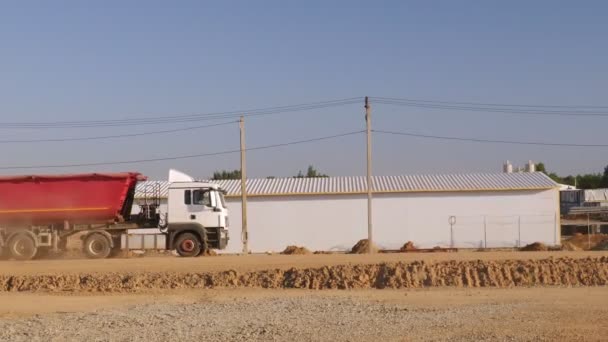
column 188, row 245
column 21, row 248
column 96, row 247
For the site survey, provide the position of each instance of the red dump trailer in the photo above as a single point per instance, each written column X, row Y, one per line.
column 39, row 212
column 78, row 198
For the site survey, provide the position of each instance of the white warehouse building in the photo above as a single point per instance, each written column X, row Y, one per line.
column 330, row 214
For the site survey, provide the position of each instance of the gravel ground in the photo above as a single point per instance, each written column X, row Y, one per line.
column 306, row 316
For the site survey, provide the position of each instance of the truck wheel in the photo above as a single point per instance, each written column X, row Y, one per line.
column 22, row 247
column 188, row 245
column 97, row 246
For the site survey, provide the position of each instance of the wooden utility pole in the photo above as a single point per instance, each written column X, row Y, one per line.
column 368, row 123
column 244, row 233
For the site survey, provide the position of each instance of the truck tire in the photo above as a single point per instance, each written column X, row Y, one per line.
column 97, row 246
column 188, row 245
column 22, row 247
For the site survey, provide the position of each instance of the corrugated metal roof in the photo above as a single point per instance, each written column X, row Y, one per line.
column 381, row 184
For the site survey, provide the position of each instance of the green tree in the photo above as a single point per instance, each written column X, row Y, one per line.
column 225, row 174
column 310, row 173
column 540, row 167
column 570, row 180
column 584, row 181
column 589, row 181
column 604, row 182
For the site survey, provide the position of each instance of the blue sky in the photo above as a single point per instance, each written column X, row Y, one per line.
column 76, row 60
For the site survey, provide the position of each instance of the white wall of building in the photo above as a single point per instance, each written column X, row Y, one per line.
column 337, row 222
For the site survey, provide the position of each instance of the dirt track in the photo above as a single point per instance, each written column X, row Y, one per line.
column 521, row 314
column 472, row 272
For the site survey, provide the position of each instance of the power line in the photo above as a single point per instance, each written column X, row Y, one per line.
column 487, row 104
column 103, row 137
column 183, row 157
column 487, row 140
column 183, row 118
column 496, row 110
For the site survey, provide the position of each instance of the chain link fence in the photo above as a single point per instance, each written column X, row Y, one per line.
column 492, row 231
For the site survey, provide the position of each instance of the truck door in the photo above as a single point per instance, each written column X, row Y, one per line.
column 201, row 209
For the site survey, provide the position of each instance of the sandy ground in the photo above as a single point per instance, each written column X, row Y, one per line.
column 522, row 314
column 259, row 262
column 462, row 296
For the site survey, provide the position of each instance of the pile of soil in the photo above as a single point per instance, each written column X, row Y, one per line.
column 569, row 246
column 209, row 252
column 361, row 247
column 535, row 247
column 602, row 246
column 295, row 250
column 581, row 241
column 409, row 246
column 418, row 274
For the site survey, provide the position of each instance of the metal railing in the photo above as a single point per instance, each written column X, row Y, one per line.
column 494, row 231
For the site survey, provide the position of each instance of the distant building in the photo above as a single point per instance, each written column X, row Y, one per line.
column 493, row 210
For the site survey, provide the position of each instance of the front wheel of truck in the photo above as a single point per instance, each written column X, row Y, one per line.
column 188, row 245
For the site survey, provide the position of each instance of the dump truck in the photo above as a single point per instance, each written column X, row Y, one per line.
column 38, row 213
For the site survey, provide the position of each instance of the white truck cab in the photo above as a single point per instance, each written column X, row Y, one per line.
column 197, row 216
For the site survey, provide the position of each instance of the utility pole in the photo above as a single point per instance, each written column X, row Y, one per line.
column 368, row 123
column 244, row 233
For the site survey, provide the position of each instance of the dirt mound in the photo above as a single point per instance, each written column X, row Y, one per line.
column 209, row 252
column 296, row 250
column 535, row 247
column 581, row 241
column 602, row 246
column 362, row 246
column 569, row 246
column 407, row 247
column 418, row 274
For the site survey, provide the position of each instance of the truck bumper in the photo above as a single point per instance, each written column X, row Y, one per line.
column 224, row 237
column 217, row 237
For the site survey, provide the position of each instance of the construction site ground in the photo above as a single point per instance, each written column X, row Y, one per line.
column 465, row 295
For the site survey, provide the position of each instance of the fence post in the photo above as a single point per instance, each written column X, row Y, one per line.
column 452, row 221
column 555, row 228
column 519, row 231
column 588, row 231
column 485, row 233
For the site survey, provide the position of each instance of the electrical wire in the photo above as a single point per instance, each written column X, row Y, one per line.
column 486, row 104
column 477, row 140
column 498, row 110
column 103, row 137
column 184, row 156
column 183, row 118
